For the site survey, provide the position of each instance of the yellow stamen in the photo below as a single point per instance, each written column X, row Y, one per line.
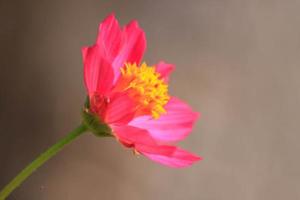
column 145, row 86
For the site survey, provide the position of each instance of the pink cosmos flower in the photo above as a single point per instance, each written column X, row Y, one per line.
column 132, row 98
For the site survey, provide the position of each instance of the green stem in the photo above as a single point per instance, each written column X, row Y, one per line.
column 40, row 160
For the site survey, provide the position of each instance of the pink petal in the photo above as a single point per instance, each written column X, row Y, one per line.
column 132, row 135
column 120, row 109
column 164, row 69
column 110, row 37
column 173, row 126
column 179, row 159
column 84, row 51
column 98, row 73
column 135, row 42
column 121, row 45
column 133, row 46
column 141, row 140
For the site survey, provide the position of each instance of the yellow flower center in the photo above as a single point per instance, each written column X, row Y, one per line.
column 146, row 87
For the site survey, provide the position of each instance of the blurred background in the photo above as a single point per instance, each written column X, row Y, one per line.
column 237, row 63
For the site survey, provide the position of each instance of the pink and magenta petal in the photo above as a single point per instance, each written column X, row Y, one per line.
column 141, row 140
column 179, row 159
column 120, row 110
column 164, row 69
column 133, row 47
column 98, row 73
column 110, row 37
column 132, row 135
column 135, row 42
column 119, row 45
column 173, row 126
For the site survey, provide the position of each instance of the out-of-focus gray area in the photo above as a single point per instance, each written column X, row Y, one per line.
column 237, row 63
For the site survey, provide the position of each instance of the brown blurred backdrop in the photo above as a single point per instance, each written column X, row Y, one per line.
column 237, row 63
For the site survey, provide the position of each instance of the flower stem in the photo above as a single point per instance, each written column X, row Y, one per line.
column 40, row 160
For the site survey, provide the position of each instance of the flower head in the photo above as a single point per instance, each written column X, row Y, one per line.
column 145, row 86
column 131, row 98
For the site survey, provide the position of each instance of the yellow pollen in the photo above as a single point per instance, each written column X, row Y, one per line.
column 146, row 87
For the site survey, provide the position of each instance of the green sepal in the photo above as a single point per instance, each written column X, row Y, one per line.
column 95, row 125
column 87, row 102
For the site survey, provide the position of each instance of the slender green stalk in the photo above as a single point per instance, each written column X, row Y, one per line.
column 40, row 160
